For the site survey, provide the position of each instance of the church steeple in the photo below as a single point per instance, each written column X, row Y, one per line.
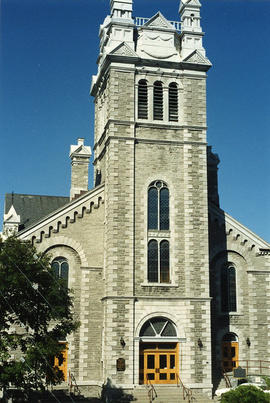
column 191, row 27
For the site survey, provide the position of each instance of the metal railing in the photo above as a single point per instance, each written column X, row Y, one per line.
column 140, row 21
column 73, row 384
column 226, row 377
column 252, row 367
column 151, row 391
column 187, row 393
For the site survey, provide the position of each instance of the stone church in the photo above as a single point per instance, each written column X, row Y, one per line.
column 167, row 286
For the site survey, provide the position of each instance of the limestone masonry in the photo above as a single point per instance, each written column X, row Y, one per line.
column 167, row 285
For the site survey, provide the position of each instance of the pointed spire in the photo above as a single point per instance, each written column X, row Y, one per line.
column 121, row 9
column 11, row 221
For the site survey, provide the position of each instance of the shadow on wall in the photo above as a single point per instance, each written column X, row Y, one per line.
column 111, row 394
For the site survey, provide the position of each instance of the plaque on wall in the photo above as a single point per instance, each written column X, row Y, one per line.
column 120, row 364
column 239, row 373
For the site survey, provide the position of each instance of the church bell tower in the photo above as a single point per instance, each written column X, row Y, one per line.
column 151, row 154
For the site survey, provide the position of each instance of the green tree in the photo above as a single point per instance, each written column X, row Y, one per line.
column 35, row 313
column 245, row 394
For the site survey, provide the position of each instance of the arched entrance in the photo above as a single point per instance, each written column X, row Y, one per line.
column 159, row 352
column 230, row 352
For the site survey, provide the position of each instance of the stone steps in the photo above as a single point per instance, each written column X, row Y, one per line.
column 167, row 395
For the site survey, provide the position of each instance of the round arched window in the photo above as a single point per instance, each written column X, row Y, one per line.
column 158, row 327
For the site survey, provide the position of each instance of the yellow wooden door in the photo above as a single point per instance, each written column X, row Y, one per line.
column 158, row 364
column 61, row 361
column 230, row 356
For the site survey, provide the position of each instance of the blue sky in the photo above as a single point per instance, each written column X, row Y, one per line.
column 48, row 54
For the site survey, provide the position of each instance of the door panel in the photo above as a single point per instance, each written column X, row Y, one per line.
column 61, row 361
column 230, row 355
column 158, row 364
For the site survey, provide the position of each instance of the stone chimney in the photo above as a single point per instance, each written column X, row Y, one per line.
column 80, row 156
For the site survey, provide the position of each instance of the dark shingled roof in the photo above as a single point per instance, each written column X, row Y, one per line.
column 32, row 208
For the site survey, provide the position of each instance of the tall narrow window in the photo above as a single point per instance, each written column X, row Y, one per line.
column 153, row 261
column 158, row 206
column 142, row 100
column 228, row 289
column 158, row 261
column 61, row 269
column 173, row 102
column 164, row 262
column 158, row 100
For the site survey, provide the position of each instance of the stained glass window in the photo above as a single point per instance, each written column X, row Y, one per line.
column 153, row 261
column 158, row 327
column 61, row 268
column 153, row 208
column 158, row 206
column 228, row 289
column 164, row 262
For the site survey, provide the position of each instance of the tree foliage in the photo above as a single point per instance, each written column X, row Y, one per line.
column 35, row 314
column 245, row 394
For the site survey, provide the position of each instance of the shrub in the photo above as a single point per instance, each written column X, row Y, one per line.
column 245, row 394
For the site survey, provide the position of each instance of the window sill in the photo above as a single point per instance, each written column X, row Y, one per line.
column 231, row 314
column 172, row 285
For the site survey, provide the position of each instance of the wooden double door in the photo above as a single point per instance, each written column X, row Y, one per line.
column 60, row 361
column 230, row 355
column 159, row 363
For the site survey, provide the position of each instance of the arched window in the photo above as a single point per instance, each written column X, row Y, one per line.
column 158, row 327
column 61, row 268
column 158, row 261
column 158, row 100
column 142, row 100
column 158, row 206
column 228, row 288
column 173, row 102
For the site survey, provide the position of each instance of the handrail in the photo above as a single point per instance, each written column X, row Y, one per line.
column 152, row 393
column 251, row 366
column 187, row 393
column 140, row 21
column 73, row 384
column 225, row 376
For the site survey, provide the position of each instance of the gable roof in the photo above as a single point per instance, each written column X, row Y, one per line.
column 159, row 21
column 65, row 215
column 232, row 225
column 32, row 208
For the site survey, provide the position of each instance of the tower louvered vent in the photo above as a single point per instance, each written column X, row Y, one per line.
column 173, row 102
column 158, row 101
column 142, row 100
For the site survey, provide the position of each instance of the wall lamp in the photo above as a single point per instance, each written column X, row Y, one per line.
column 248, row 342
column 122, row 342
column 200, row 344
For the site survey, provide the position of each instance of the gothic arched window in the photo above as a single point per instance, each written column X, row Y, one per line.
column 228, row 288
column 158, row 206
column 158, row 101
column 173, row 102
column 61, row 268
column 142, row 100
